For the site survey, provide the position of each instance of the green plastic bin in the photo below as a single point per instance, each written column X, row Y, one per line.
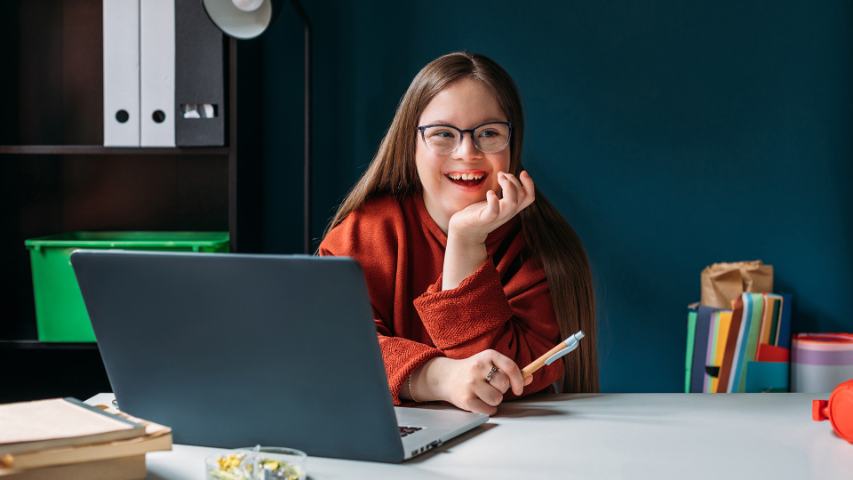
column 60, row 312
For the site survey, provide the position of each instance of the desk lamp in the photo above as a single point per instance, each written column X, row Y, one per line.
column 246, row 19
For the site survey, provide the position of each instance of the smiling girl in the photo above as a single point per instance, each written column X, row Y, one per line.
column 472, row 274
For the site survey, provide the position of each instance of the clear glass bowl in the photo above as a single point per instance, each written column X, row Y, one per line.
column 257, row 463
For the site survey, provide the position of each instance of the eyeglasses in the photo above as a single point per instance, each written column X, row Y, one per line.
column 491, row 137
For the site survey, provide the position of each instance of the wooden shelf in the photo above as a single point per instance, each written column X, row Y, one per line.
column 37, row 345
column 56, row 176
column 48, row 370
column 101, row 150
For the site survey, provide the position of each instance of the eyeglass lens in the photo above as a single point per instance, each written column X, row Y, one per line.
column 488, row 138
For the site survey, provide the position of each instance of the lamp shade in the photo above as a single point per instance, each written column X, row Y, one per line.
column 241, row 19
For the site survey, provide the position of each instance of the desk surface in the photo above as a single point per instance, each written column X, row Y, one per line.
column 660, row 436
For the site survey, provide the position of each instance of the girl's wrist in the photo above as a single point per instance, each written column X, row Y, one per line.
column 459, row 235
column 465, row 240
column 426, row 381
column 461, row 259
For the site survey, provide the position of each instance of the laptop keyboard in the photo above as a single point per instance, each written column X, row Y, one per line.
column 408, row 430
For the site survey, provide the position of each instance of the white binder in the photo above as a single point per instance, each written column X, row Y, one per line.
column 121, row 73
column 157, row 75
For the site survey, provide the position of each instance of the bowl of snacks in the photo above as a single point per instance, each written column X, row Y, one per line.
column 257, row 463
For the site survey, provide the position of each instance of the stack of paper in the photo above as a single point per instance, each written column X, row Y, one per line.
column 65, row 438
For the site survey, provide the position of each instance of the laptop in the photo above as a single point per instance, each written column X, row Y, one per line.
column 234, row 350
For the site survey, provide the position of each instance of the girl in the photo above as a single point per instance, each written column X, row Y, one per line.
column 471, row 274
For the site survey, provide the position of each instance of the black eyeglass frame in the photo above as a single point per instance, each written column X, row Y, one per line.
column 422, row 129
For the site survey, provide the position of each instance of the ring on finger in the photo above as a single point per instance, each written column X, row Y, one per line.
column 491, row 374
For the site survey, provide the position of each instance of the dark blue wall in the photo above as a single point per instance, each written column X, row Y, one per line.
column 671, row 134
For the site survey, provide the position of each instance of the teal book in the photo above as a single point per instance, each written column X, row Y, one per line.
column 738, row 364
column 767, row 377
column 756, row 310
column 691, row 334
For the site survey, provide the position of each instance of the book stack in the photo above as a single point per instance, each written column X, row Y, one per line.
column 742, row 349
column 66, row 438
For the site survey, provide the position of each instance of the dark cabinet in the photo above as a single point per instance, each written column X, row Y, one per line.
column 55, row 175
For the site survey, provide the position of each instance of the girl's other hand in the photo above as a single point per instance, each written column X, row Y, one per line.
column 464, row 384
column 474, row 222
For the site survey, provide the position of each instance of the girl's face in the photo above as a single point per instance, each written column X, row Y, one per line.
column 454, row 180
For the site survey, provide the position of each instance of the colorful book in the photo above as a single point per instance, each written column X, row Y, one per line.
column 723, row 344
column 733, row 344
column 756, row 301
column 691, row 333
column 772, row 353
column 700, row 347
column 767, row 377
column 766, row 319
column 711, row 371
column 783, row 339
column 774, row 325
column 724, row 323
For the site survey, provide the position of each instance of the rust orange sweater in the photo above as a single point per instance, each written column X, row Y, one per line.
column 504, row 305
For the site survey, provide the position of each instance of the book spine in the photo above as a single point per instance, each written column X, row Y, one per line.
column 731, row 347
column 688, row 360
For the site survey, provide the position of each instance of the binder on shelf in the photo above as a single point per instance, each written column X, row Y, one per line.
column 157, row 73
column 199, row 110
column 164, row 75
column 121, row 73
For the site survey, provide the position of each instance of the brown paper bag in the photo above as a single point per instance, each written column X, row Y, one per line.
column 724, row 282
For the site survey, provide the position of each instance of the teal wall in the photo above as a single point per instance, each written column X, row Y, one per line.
column 671, row 134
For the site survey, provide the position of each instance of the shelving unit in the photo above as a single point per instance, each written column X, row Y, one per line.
column 101, row 150
column 55, row 176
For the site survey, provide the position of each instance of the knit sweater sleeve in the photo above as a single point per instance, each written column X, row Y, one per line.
column 359, row 240
column 516, row 319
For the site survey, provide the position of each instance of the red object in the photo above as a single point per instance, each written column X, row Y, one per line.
column 838, row 410
column 772, row 353
column 505, row 305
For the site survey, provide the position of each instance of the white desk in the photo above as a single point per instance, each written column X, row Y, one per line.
column 609, row 436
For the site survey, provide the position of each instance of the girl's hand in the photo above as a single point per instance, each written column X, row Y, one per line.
column 474, row 222
column 463, row 382
column 468, row 228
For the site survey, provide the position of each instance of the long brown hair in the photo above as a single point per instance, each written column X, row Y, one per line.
column 548, row 235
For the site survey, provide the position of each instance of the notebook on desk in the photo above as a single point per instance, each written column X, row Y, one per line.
column 235, row 350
